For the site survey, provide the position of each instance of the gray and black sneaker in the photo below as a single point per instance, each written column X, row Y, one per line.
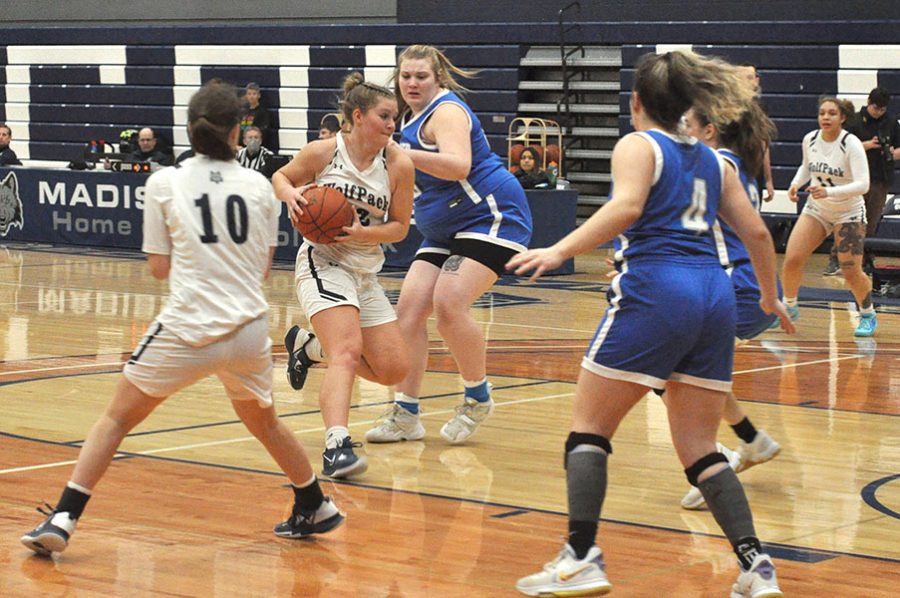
column 342, row 462
column 306, row 523
column 833, row 268
column 53, row 534
column 298, row 361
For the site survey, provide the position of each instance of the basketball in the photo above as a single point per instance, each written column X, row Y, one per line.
column 325, row 215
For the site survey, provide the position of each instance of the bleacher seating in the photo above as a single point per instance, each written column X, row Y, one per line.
column 57, row 98
column 59, row 88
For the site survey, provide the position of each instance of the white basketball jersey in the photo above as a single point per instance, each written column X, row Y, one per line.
column 216, row 220
column 369, row 191
column 840, row 166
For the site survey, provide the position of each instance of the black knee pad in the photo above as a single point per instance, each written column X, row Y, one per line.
column 577, row 438
column 694, row 471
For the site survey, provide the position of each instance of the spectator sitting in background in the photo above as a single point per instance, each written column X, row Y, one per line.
column 7, row 156
column 256, row 115
column 147, row 149
column 329, row 126
column 253, row 155
column 529, row 174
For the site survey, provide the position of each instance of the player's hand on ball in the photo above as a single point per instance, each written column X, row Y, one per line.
column 295, row 201
column 354, row 232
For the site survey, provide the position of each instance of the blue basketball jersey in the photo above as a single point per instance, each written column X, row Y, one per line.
column 751, row 320
column 487, row 170
column 485, row 205
column 681, row 208
column 735, row 252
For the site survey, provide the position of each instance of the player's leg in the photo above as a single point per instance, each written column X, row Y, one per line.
column 807, row 234
column 694, row 415
column 401, row 421
column 128, row 408
column 600, row 405
column 341, row 338
column 850, row 238
column 462, row 281
column 313, row 512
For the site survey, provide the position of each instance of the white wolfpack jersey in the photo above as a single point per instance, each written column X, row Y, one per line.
column 369, row 191
column 840, row 166
column 216, row 220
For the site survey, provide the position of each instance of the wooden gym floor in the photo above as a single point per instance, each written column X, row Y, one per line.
column 187, row 507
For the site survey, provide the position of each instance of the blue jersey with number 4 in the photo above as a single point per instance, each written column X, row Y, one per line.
column 681, row 208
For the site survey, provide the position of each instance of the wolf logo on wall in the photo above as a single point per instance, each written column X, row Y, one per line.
column 10, row 205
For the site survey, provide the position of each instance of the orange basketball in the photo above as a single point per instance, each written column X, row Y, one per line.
column 325, row 215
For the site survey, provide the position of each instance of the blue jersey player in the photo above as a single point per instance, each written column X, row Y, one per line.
column 671, row 319
column 743, row 145
column 474, row 216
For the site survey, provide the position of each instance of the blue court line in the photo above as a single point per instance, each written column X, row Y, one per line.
column 800, row 553
column 509, row 514
column 868, row 495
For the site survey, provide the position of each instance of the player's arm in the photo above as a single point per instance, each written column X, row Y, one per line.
column 292, row 179
column 803, row 175
column 633, row 164
column 269, row 263
column 449, row 126
column 157, row 242
column 767, row 174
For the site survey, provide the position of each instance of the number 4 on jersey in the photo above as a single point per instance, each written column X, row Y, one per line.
column 693, row 218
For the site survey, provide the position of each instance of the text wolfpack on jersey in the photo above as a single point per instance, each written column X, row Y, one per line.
column 825, row 168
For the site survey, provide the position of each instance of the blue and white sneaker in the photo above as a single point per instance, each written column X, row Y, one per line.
column 867, row 325
column 53, row 534
column 342, row 462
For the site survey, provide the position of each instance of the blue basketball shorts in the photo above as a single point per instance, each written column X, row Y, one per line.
column 667, row 321
column 501, row 217
column 751, row 320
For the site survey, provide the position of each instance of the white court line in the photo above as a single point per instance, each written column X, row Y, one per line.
column 33, row 467
column 424, row 414
column 61, row 367
column 785, row 366
column 246, row 438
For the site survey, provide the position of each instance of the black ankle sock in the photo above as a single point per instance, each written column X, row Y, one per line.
column 582, row 535
column 73, row 502
column 308, row 498
column 746, row 550
column 745, row 430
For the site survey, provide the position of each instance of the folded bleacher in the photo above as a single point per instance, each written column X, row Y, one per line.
column 57, row 98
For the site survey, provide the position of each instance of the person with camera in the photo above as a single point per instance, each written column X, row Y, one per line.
column 880, row 135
